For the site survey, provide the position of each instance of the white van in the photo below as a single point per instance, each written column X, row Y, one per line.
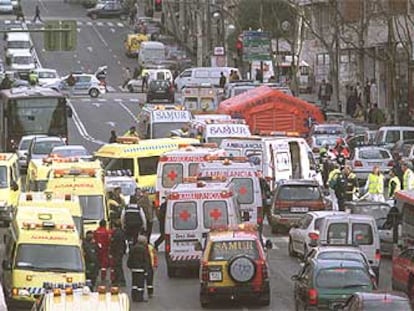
column 356, row 230
column 198, row 75
column 16, row 42
column 22, row 61
column 151, row 52
column 389, row 135
column 192, row 210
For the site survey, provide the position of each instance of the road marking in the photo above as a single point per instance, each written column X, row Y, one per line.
column 135, row 100
column 89, row 48
column 120, row 25
column 102, row 99
column 111, row 123
column 89, row 23
column 117, row 100
column 7, row 22
column 113, row 30
column 129, row 112
column 110, row 89
column 78, row 29
column 110, row 24
column 85, row 99
column 99, row 24
column 97, row 105
column 100, row 36
column 79, row 23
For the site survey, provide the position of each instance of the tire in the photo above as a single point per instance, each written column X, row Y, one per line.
column 241, row 275
column 264, row 300
column 130, row 89
column 291, row 251
column 93, row 93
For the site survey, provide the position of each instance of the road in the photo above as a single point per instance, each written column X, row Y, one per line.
column 101, row 43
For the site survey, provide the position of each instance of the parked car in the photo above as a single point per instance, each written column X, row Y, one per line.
column 86, row 84
column 22, row 150
column 160, row 90
column 41, row 146
column 46, row 76
column 376, row 301
column 110, row 9
column 331, row 129
column 6, row 7
column 404, row 149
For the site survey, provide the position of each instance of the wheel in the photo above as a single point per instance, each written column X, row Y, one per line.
column 241, row 268
column 265, row 298
column 94, row 16
column 130, row 89
column 171, row 272
column 290, row 248
column 204, row 302
column 93, row 93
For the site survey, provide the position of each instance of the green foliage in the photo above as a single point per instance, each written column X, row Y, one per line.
column 60, row 40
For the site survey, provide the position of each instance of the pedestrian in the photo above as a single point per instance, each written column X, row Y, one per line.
column 90, row 254
column 394, row 184
column 71, row 81
column 37, row 15
column 113, row 137
column 397, row 167
column 133, row 220
column 358, row 91
column 132, row 15
column 161, row 213
column 138, row 262
column 102, row 237
column 117, row 251
column 359, row 113
column 145, row 81
column 351, row 102
column 375, row 115
column 137, row 72
column 341, row 151
column 373, row 93
column 351, row 184
column 259, row 75
column 19, row 13
column 374, row 188
column 266, row 193
column 408, row 176
column 367, row 90
column 222, row 81
column 325, row 93
column 144, row 202
column 126, row 76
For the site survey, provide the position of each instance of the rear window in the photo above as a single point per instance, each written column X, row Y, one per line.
column 338, row 233
column 185, row 215
column 46, row 146
column 171, row 174
column 298, row 193
column 408, row 135
column 244, row 189
column 362, row 234
column 392, row 136
column 224, row 250
column 318, row 223
column 382, row 304
column 114, row 165
column 340, row 255
column 215, row 213
column 343, row 278
column 148, row 165
column 374, row 154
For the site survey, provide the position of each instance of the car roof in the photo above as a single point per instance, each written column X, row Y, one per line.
column 47, row 138
column 336, row 248
column 347, row 217
column 335, row 263
column 30, row 137
column 22, row 52
column 365, row 203
column 319, row 214
column 298, row 182
column 44, row 70
column 69, row 147
column 383, row 295
column 370, row 147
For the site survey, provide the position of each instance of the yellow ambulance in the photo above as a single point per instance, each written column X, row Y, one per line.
column 88, row 185
column 43, row 248
column 138, row 158
column 52, row 200
column 9, row 186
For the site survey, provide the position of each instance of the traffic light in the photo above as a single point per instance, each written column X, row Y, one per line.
column 51, row 39
column 158, row 5
column 68, row 42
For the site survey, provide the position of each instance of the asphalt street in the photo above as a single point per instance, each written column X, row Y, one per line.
column 101, row 43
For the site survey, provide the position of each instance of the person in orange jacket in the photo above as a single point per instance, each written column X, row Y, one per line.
column 102, row 237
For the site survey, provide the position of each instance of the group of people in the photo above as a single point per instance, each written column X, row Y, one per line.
column 129, row 232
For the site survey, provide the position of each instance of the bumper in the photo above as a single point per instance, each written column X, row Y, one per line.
column 232, row 292
column 285, row 220
column 177, row 262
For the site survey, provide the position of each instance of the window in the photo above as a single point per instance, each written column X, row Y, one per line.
column 388, row 304
column 84, row 79
column 306, row 221
column 392, row 136
column 224, row 250
column 3, row 177
column 318, row 223
column 118, row 164
column 44, row 147
column 148, row 165
column 374, row 154
column 185, row 215
column 342, row 278
column 338, row 233
column 193, row 169
column 244, row 189
column 171, row 174
column 186, row 74
column 92, row 207
column 215, row 213
column 299, row 193
column 362, row 234
column 408, row 135
column 379, row 137
column 201, row 74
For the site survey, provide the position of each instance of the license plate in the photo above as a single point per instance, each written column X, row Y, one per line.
column 214, row 276
column 299, row 209
column 375, row 163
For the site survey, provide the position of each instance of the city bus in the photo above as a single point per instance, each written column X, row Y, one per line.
column 29, row 111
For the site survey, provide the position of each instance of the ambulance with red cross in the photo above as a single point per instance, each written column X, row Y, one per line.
column 176, row 165
column 193, row 208
column 245, row 179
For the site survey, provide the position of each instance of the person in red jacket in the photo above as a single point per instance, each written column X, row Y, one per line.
column 102, row 237
column 341, row 151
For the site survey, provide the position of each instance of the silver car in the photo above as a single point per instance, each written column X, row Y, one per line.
column 363, row 160
column 86, row 84
column 23, row 148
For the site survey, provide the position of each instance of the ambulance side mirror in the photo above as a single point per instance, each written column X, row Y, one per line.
column 6, row 265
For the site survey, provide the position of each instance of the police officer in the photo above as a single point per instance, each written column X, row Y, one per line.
column 351, row 183
column 90, row 253
column 394, row 184
column 138, row 262
column 133, row 221
column 375, row 185
column 408, row 177
column 117, row 251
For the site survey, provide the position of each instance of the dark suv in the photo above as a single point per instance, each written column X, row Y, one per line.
column 293, row 198
column 160, row 90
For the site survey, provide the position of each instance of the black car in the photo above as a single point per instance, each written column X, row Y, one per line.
column 160, row 90
column 108, row 10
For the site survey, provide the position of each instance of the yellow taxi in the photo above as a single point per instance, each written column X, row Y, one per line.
column 9, row 186
column 234, row 266
column 43, row 248
column 82, row 298
column 53, row 200
column 133, row 42
column 138, row 158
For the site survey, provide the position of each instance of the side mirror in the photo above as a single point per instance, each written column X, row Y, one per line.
column 245, row 216
column 295, row 277
column 268, row 244
column 14, row 186
column 198, row 246
column 6, row 265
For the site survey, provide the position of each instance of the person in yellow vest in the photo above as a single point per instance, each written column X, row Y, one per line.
column 335, row 192
column 132, row 132
column 374, row 187
column 408, row 177
column 351, row 184
column 394, row 185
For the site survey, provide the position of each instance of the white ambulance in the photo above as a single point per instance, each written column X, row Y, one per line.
column 278, row 157
column 245, row 179
column 157, row 121
column 192, row 210
column 200, row 97
column 176, row 165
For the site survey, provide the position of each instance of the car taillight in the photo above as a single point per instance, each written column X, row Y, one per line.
column 259, row 215
column 167, row 243
column 357, row 164
column 315, row 150
column 378, row 255
column 391, row 163
column 313, row 296
column 313, row 236
column 204, row 271
column 265, row 273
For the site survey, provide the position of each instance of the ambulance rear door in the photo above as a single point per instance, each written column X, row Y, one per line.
column 280, row 166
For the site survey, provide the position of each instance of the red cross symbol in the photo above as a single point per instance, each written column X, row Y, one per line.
column 215, row 213
column 172, row 175
column 184, row 215
column 242, row 190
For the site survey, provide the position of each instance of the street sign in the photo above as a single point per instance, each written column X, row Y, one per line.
column 256, row 45
column 219, row 51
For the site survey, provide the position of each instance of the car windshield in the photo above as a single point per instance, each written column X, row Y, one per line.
column 325, row 140
column 18, row 44
column 329, row 130
column 374, row 154
column 342, row 278
column 44, row 147
column 24, row 144
column 224, row 250
column 127, row 188
column 378, row 211
column 385, row 304
column 92, row 207
column 3, row 177
column 47, row 74
column 297, row 193
column 161, row 130
column 49, row 257
column 71, row 152
column 22, row 60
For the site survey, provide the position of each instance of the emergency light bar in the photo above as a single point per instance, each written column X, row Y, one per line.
column 127, row 140
column 201, row 145
column 173, row 107
column 75, row 172
column 3, row 157
column 245, row 227
column 227, row 158
column 192, row 179
column 47, row 225
column 279, row 133
column 118, row 173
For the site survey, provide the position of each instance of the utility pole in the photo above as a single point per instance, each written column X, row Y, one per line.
column 199, row 23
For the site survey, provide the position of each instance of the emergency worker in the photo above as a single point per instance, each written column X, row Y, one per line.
column 102, row 237
column 90, row 254
column 394, row 184
column 341, row 151
column 408, row 177
column 351, row 184
column 117, row 250
column 132, row 132
column 161, row 213
column 133, row 221
column 266, row 193
column 138, row 262
column 33, row 79
column 337, row 183
column 375, row 185
column 184, row 131
column 153, row 264
column 144, row 202
column 116, row 203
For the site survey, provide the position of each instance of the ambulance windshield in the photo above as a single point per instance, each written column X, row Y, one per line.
column 161, row 130
column 49, row 257
column 3, row 177
column 92, row 207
